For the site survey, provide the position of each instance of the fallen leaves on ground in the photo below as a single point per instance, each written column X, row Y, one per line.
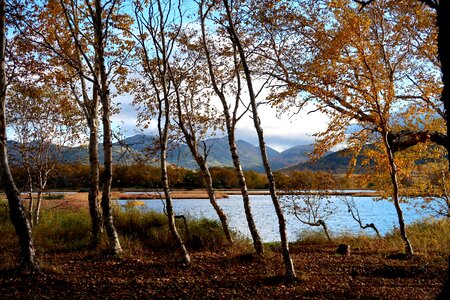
column 227, row 275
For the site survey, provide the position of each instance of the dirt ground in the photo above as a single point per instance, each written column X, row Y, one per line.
column 322, row 275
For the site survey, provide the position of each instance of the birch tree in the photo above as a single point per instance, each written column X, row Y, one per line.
column 43, row 122
column 63, row 44
column 104, row 63
column 196, row 115
column 158, row 25
column 27, row 255
column 369, row 72
column 221, row 82
column 235, row 38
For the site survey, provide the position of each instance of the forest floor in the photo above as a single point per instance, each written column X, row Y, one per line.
column 322, row 273
column 228, row 273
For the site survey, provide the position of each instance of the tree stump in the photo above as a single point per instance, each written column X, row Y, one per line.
column 343, row 249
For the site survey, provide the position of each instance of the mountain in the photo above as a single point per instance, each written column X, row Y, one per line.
column 142, row 148
column 335, row 162
column 219, row 155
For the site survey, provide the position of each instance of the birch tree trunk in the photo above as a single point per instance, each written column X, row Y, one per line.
column 230, row 122
column 103, row 88
column 207, row 179
column 191, row 140
column 169, row 207
column 21, row 224
column 94, row 177
column 289, row 266
column 158, row 22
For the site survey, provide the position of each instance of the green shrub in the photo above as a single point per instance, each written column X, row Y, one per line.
column 53, row 197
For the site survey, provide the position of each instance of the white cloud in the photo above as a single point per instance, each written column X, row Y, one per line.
column 284, row 132
column 280, row 133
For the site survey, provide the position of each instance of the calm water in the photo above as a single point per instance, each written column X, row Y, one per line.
column 381, row 213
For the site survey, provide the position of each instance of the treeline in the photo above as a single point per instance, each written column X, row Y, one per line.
column 76, row 177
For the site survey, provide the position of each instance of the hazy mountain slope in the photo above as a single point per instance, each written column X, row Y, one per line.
column 136, row 148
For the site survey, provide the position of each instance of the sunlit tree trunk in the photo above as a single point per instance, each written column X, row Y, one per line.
column 94, row 178
column 169, row 206
column 230, row 126
column 156, row 24
column 105, row 100
column 207, row 179
column 257, row 243
column 289, row 266
column 16, row 211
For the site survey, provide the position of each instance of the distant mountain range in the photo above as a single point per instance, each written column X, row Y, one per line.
column 138, row 147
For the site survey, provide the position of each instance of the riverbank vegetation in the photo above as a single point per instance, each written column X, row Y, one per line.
column 147, row 268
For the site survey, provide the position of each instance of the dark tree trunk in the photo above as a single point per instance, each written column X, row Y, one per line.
column 18, row 217
column 395, row 195
column 102, row 86
column 443, row 24
column 325, row 229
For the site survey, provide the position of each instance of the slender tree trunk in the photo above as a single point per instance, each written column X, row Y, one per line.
column 37, row 211
column 192, row 143
column 21, row 224
column 257, row 243
column 207, row 179
column 325, row 229
column 94, row 177
column 289, row 266
column 30, row 195
column 41, row 189
column 102, row 86
column 169, row 207
column 229, row 123
column 395, row 195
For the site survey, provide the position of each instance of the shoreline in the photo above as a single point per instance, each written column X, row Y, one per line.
column 195, row 194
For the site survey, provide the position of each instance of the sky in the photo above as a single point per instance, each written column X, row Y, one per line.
column 280, row 133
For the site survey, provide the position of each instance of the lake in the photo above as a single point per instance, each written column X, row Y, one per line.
column 381, row 213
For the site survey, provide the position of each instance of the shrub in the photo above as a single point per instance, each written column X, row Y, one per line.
column 63, row 230
column 53, row 197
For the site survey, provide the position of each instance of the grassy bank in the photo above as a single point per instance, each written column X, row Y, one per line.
column 69, row 230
